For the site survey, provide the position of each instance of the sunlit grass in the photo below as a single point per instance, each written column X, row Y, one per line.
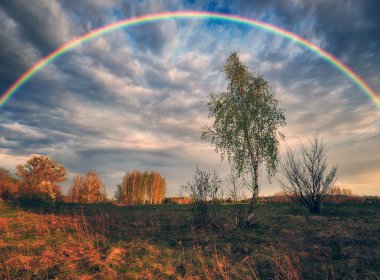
column 160, row 242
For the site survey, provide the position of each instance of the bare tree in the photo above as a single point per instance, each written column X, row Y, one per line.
column 141, row 188
column 94, row 188
column 307, row 179
column 87, row 189
column 75, row 191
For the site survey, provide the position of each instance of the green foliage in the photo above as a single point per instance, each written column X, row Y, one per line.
column 246, row 122
column 246, row 119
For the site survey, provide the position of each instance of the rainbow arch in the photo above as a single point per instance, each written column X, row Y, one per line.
column 5, row 97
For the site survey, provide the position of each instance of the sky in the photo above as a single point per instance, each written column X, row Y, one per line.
column 133, row 99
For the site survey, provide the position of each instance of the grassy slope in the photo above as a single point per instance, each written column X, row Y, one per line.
column 160, row 242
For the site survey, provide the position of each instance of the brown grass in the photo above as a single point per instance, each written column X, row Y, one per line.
column 68, row 247
column 161, row 243
column 48, row 245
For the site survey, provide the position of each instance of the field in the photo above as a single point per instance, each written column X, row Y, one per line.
column 70, row 241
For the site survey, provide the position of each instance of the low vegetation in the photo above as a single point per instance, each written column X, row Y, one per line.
column 103, row 241
column 204, row 191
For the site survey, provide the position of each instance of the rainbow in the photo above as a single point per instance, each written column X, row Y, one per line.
column 5, row 97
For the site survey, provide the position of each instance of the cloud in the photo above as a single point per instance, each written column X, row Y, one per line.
column 25, row 131
column 15, row 55
column 134, row 98
column 9, row 161
column 44, row 23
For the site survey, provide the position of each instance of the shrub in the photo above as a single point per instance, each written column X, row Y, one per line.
column 307, row 178
column 204, row 192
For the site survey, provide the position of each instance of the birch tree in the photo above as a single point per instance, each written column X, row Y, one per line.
column 141, row 188
column 246, row 122
column 87, row 189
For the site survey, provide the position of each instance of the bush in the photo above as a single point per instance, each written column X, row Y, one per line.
column 307, row 179
column 204, row 192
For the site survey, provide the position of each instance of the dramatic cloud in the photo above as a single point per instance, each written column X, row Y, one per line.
column 134, row 98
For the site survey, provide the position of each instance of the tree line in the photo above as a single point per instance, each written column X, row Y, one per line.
column 40, row 177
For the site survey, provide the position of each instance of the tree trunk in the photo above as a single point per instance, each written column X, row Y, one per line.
column 314, row 206
column 317, row 207
column 255, row 195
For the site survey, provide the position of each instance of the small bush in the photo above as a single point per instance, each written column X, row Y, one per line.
column 204, row 192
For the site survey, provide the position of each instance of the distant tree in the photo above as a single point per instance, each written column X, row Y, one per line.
column 162, row 190
column 75, row 191
column 279, row 197
column 39, row 178
column 341, row 191
column 246, row 120
column 87, row 189
column 307, row 178
column 204, row 193
column 343, row 195
column 9, row 186
column 141, row 188
column 177, row 200
column 95, row 189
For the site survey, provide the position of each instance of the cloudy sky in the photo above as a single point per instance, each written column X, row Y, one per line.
column 134, row 98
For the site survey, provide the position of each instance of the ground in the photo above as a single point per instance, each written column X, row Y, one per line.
column 70, row 241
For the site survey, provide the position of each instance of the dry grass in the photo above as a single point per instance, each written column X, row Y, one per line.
column 108, row 242
column 44, row 246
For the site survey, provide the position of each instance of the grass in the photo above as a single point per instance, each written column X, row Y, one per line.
column 70, row 241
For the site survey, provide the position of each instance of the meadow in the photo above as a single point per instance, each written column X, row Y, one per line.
column 104, row 241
